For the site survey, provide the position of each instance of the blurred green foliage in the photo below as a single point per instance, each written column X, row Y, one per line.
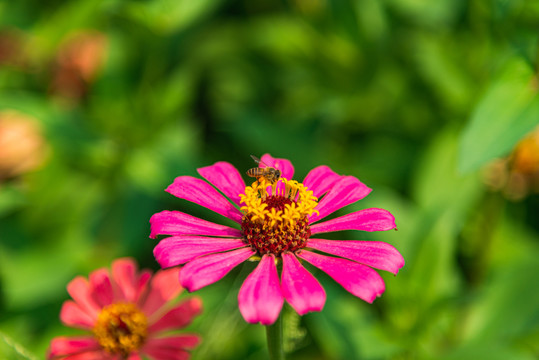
column 411, row 96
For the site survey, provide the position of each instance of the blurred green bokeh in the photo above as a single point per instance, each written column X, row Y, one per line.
column 414, row 97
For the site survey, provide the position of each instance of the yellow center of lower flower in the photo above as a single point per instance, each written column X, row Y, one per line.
column 275, row 216
column 121, row 328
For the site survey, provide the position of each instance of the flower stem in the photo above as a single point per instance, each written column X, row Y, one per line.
column 274, row 334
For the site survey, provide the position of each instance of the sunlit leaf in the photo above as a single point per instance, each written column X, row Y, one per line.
column 166, row 15
column 507, row 111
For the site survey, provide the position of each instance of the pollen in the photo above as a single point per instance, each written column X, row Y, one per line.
column 276, row 216
column 121, row 329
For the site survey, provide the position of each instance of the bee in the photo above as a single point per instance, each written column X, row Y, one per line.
column 267, row 172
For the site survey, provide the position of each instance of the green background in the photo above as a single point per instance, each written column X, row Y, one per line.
column 413, row 97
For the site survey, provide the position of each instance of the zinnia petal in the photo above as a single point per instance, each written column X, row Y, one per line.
column 177, row 317
column 300, row 287
column 202, row 193
column 286, row 167
column 208, row 269
column 345, row 191
column 142, row 281
column 177, row 250
column 80, row 290
column 91, row 355
column 102, row 290
column 377, row 254
column 226, row 178
column 124, row 272
column 176, row 342
column 178, row 223
column 320, row 179
column 372, row 219
column 260, row 298
column 72, row 315
column 165, row 353
column 163, row 287
column 360, row 280
column 62, row 346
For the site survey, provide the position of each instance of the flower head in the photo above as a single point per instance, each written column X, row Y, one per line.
column 125, row 314
column 276, row 222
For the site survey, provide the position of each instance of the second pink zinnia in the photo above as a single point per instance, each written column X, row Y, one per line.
column 127, row 315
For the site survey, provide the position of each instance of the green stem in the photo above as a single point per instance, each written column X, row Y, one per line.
column 274, row 334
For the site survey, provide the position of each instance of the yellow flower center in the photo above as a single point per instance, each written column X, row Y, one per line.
column 121, row 328
column 276, row 216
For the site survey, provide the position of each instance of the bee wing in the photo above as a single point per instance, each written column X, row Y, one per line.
column 258, row 161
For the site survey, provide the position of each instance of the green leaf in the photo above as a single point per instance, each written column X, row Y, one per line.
column 164, row 16
column 508, row 110
column 486, row 351
column 11, row 350
column 10, row 198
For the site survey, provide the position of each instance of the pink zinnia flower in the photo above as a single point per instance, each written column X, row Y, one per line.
column 275, row 225
column 126, row 314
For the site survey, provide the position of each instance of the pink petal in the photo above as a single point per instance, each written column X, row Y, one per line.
column 226, row 178
column 134, row 356
column 178, row 223
column 177, row 250
column 141, row 286
column 80, row 290
column 92, row 355
column 102, row 290
column 371, row 219
column 124, row 273
column 287, row 170
column 300, row 288
column 178, row 317
column 202, row 193
column 164, row 286
column 346, row 191
column 208, row 269
column 377, row 254
column 176, row 342
column 72, row 315
column 362, row 281
column 260, row 297
column 62, row 346
column 320, row 179
column 159, row 353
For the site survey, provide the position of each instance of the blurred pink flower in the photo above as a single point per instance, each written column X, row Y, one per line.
column 126, row 314
column 275, row 224
column 77, row 63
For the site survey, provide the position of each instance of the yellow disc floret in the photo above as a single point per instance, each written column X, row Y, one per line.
column 302, row 202
column 121, row 328
column 276, row 215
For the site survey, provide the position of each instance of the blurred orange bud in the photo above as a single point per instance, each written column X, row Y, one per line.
column 22, row 146
column 525, row 157
column 77, row 63
column 518, row 174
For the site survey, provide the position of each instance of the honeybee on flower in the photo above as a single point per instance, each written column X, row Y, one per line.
column 267, row 172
